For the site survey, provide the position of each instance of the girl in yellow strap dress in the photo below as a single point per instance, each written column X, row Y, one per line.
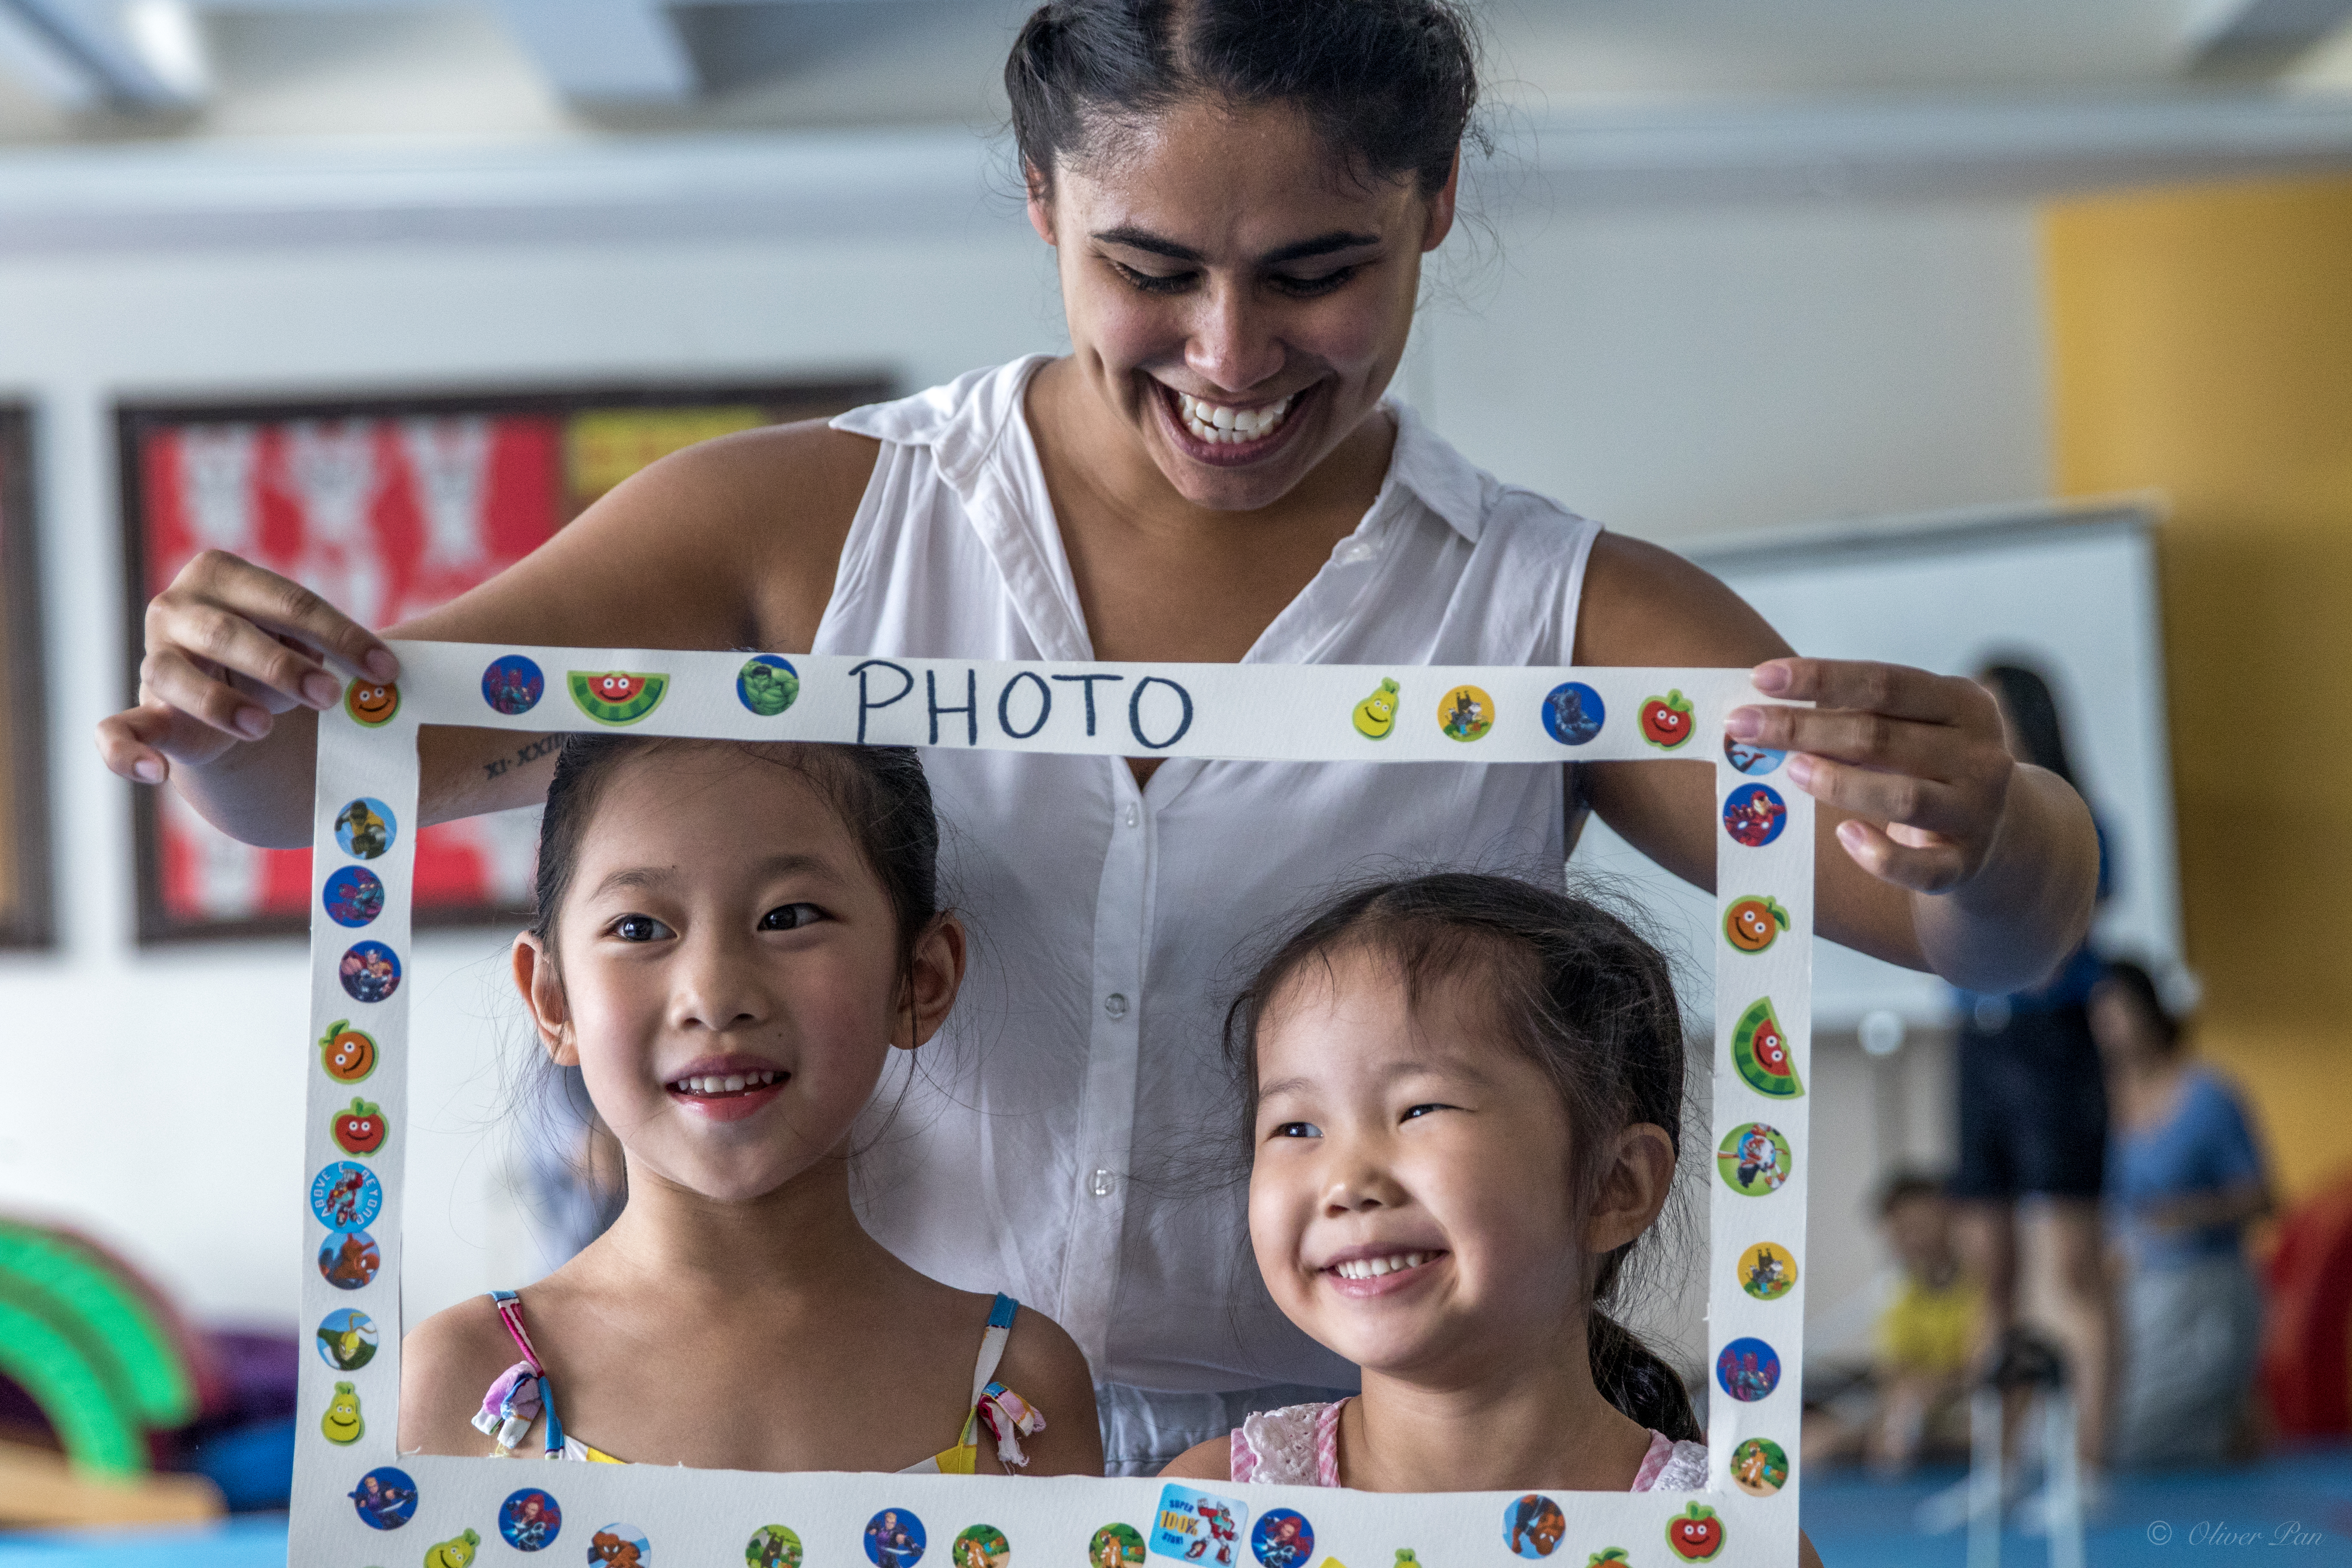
column 730, row 941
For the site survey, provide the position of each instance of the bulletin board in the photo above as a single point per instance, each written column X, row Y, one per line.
column 358, row 1501
column 388, row 508
column 27, row 911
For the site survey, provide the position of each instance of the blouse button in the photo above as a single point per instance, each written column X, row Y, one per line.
column 1355, row 553
column 1099, row 1185
column 1116, row 1004
column 1133, row 816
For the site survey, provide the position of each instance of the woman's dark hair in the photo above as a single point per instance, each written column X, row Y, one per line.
column 1390, row 85
column 2032, row 714
column 1574, row 989
column 879, row 792
column 2130, row 980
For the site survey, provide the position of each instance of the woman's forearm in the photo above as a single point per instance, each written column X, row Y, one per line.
column 2029, row 905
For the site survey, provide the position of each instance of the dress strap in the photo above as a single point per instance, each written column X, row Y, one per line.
column 1007, row 1416
column 521, row 1393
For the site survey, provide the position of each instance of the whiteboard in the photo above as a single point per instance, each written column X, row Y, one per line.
column 2069, row 589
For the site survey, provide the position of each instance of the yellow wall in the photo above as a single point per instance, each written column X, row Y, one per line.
column 2202, row 343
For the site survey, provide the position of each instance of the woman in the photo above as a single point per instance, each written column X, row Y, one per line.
column 2185, row 1179
column 1238, row 197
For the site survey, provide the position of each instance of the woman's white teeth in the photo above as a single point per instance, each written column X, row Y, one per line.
column 1373, row 1268
column 725, row 1083
column 1216, row 422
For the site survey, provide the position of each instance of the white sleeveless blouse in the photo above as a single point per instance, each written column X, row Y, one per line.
column 1073, row 1136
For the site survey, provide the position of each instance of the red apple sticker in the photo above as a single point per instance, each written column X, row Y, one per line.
column 359, row 1130
column 1695, row 1536
column 1666, row 722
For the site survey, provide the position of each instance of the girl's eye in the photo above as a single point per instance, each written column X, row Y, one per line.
column 640, row 928
column 1154, row 282
column 791, row 917
column 1298, row 1129
column 1412, row 1111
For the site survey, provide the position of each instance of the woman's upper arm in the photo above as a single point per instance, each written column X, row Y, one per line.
column 1044, row 1366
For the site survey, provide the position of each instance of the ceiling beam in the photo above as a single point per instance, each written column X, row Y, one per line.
column 131, row 55
column 605, row 53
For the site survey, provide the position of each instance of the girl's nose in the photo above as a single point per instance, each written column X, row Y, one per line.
column 1360, row 1186
column 716, row 986
column 1230, row 346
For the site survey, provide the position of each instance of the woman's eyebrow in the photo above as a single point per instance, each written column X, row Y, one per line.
column 1135, row 238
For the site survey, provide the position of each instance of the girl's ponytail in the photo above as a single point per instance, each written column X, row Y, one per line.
column 1637, row 1380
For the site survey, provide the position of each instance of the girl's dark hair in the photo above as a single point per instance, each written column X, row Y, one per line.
column 1574, row 989
column 2032, row 713
column 879, row 792
column 2146, row 1000
column 1390, row 85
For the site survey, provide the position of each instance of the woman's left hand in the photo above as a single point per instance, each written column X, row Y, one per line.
column 1924, row 754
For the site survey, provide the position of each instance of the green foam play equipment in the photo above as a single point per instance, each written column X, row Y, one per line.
column 86, row 1342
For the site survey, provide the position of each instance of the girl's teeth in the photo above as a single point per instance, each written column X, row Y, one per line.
column 1218, row 423
column 1373, row 1268
column 730, row 1083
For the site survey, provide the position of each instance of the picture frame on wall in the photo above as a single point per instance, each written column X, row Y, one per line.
column 388, row 507
column 28, row 910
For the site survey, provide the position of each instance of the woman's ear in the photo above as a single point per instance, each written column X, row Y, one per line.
column 934, row 974
column 1041, row 200
column 541, row 987
column 1633, row 1190
column 1439, row 221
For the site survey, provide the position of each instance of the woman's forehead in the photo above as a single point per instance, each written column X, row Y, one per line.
column 1256, row 177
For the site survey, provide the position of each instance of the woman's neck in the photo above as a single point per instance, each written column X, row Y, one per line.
column 802, row 1238
column 1523, row 1417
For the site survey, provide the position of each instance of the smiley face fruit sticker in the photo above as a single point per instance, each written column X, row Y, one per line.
column 1754, row 1160
column 1608, row 1557
column 1759, row 1049
column 1695, row 1535
column 1376, row 714
column 361, row 1130
column 1466, row 714
column 1667, row 721
column 457, row 1552
column 768, row 684
column 341, row 1423
column 617, row 697
column 1760, row 1467
column 371, row 702
column 1751, row 924
column 347, row 1054
column 1767, row 1271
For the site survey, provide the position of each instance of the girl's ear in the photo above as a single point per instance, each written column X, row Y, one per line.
column 541, row 987
column 934, row 974
column 1633, row 1190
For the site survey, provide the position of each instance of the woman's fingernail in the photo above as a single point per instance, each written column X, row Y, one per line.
column 1801, row 771
column 1770, row 679
column 1850, row 834
column 320, row 689
column 1743, row 723
column 381, row 665
column 252, row 723
column 147, row 770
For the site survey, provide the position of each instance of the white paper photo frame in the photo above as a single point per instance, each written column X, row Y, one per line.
column 446, row 1511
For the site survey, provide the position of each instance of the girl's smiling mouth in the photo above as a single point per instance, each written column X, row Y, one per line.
column 726, row 1089
column 1365, row 1271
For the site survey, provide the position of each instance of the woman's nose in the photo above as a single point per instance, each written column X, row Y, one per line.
column 1230, row 345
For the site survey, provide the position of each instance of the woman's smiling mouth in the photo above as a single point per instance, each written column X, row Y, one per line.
column 1227, row 435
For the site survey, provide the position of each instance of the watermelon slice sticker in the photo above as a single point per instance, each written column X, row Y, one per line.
column 1759, row 1049
column 617, row 697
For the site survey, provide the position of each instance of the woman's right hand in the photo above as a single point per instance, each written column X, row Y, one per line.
column 229, row 647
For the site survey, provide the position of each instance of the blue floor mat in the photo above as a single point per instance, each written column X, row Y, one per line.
column 246, row 1540
column 2293, row 1510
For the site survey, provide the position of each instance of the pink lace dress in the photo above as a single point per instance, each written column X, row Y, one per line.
column 1299, row 1446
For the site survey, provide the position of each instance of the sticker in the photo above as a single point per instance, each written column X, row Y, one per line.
column 1750, row 758
column 1282, row 1539
column 530, row 1518
column 1754, row 1160
column 1760, row 1467
column 371, row 702
column 772, row 1546
column 1667, row 721
column 1759, row 1049
column 1573, row 713
column 348, row 1259
column 1197, row 1526
column 767, row 686
column 1747, row 1369
column 455, row 1552
column 1753, row 814
column 894, row 1539
column 346, row 1196
column 347, row 1339
column 1751, row 922
column 369, row 972
column 1376, row 714
column 1115, row 1546
column 1767, row 1271
column 358, row 1131
column 347, row 1054
column 1696, row 1535
column 513, row 685
column 1533, row 1525
column 1608, row 1557
column 365, row 827
column 1466, row 714
column 617, row 697
column 622, row 1545
column 981, row 1546
column 354, row 896
column 343, row 1422
column 385, row 1498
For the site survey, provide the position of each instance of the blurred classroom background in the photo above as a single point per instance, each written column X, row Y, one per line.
column 2011, row 330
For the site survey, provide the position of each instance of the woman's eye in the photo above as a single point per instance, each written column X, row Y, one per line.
column 1153, row 282
column 1298, row 1129
column 639, row 928
column 1307, row 288
column 791, row 917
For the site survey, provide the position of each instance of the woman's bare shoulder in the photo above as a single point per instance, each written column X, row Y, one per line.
column 1208, row 1461
column 446, row 1363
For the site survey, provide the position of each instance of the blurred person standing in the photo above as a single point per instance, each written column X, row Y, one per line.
column 2185, row 1178
column 2033, row 1114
